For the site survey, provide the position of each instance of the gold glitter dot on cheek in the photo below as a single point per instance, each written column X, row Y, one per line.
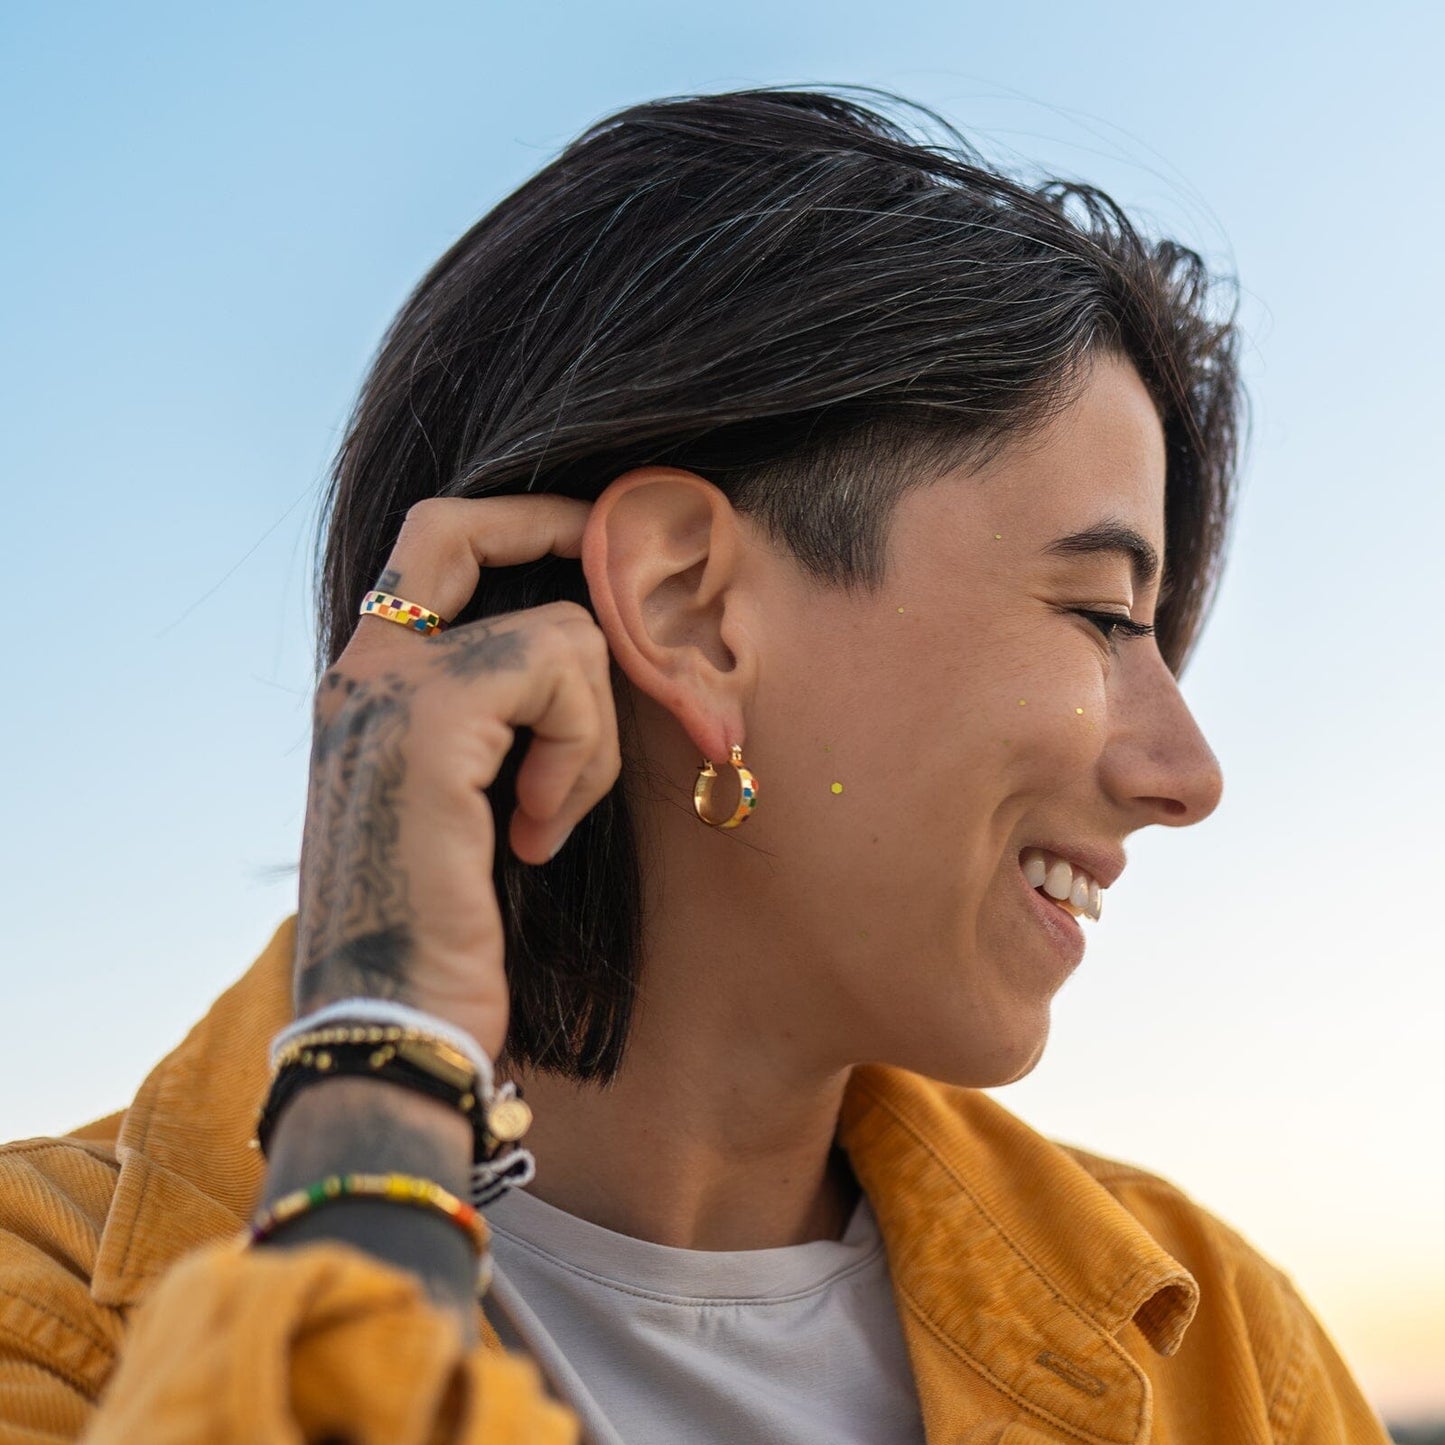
column 1080, row 711
column 1023, row 702
column 900, row 609
column 837, row 788
column 998, row 536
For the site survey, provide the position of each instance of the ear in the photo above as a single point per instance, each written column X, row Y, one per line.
column 662, row 553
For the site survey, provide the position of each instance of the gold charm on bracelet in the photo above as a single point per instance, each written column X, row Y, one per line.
column 509, row 1119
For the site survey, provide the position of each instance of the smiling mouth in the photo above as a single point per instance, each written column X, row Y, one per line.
column 1063, row 883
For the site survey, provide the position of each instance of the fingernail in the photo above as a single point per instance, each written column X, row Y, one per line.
column 555, row 851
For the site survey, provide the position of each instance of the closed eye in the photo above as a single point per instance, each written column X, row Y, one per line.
column 1114, row 625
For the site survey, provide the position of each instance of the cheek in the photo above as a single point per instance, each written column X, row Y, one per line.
column 929, row 726
column 960, row 719
column 1045, row 721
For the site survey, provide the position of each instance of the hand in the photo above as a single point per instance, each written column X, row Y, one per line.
column 396, row 895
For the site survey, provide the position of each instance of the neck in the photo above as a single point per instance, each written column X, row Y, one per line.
column 693, row 1151
column 719, row 1131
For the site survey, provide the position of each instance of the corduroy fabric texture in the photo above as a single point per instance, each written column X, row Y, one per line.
column 1045, row 1293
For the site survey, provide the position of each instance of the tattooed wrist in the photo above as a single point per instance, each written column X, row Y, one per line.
column 371, row 966
column 351, row 1125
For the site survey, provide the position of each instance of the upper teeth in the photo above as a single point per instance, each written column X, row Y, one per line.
column 1066, row 883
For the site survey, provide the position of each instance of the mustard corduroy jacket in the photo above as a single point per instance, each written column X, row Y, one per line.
column 1046, row 1294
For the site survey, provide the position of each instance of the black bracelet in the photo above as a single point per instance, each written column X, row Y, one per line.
column 360, row 1060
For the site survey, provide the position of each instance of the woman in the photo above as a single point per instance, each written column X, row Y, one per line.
column 752, row 431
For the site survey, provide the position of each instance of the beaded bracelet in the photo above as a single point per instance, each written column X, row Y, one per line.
column 362, row 1010
column 397, row 1188
column 420, row 1048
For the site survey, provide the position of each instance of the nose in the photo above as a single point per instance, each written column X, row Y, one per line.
column 1158, row 765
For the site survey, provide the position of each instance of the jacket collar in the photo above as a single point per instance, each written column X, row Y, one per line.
column 1008, row 1257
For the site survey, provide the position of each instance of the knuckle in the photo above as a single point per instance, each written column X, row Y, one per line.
column 494, row 734
column 564, row 610
column 330, row 680
column 433, row 522
column 594, row 644
column 555, row 646
column 333, row 690
column 428, row 510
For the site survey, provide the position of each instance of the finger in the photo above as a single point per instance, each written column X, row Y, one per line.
column 529, row 645
column 603, row 768
column 535, row 842
column 566, row 738
column 446, row 541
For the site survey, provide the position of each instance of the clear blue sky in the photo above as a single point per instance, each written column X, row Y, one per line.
column 211, row 214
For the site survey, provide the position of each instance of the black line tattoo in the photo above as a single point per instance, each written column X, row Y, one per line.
column 372, row 966
column 390, row 580
column 356, row 930
column 476, row 649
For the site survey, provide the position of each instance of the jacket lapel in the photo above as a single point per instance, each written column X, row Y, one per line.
column 1013, row 1268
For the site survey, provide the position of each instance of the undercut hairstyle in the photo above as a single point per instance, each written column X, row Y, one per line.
column 812, row 305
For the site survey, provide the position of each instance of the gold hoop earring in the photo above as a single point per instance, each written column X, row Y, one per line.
column 702, row 792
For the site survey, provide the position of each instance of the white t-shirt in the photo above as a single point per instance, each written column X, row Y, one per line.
column 652, row 1345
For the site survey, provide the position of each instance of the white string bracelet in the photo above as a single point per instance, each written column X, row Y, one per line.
column 511, row 1169
column 385, row 1011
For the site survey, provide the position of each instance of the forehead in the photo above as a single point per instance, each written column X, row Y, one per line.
column 1105, row 450
column 1101, row 458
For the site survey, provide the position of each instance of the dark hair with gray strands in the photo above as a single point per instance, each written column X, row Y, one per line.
column 798, row 298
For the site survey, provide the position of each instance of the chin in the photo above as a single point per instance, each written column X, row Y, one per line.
column 1029, row 1065
column 1005, row 1058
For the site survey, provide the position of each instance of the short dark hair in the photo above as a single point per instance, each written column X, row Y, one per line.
column 815, row 307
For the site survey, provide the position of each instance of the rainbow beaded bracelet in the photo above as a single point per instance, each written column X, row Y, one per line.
column 398, row 1188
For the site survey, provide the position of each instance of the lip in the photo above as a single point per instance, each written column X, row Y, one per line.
column 1063, row 929
column 1104, row 865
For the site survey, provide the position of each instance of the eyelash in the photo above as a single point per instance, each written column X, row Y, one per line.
column 1112, row 625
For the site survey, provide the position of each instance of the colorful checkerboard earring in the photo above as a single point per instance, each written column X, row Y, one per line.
column 702, row 792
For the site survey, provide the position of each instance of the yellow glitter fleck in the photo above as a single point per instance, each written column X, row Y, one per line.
column 998, row 536
column 826, row 748
column 1080, row 711
column 900, row 609
column 837, row 787
column 1022, row 703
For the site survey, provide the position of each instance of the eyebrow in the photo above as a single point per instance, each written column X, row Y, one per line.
column 1111, row 536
